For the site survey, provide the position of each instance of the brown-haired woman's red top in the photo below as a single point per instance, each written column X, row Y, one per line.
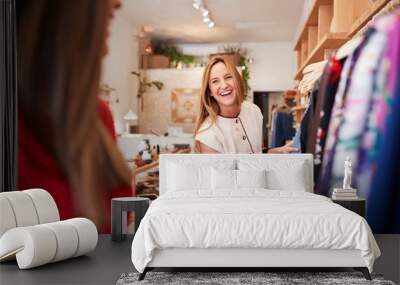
column 37, row 169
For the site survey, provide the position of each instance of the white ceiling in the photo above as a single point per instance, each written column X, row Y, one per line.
column 236, row 20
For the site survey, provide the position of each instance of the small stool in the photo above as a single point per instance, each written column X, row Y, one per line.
column 119, row 207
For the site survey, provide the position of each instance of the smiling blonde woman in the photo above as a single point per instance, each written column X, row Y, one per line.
column 227, row 123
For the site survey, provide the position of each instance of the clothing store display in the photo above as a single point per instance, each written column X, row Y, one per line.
column 356, row 106
column 357, row 117
column 312, row 74
column 335, row 122
column 38, row 169
column 384, row 211
column 326, row 98
column 306, row 124
column 242, row 134
column 318, row 98
column 282, row 129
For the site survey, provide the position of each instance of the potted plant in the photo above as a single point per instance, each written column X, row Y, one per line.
column 175, row 56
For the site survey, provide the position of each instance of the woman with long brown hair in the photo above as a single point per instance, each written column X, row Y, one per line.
column 227, row 123
column 66, row 136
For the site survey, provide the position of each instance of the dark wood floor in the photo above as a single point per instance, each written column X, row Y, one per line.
column 103, row 266
column 110, row 260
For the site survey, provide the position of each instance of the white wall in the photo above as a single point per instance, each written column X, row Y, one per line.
column 308, row 4
column 121, row 59
column 273, row 66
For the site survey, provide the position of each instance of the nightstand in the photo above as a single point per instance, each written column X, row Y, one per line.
column 119, row 209
column 358, row 206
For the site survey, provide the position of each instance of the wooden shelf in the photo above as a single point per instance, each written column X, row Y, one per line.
column 329, row 25
column 312, row 20
column 367, row 16
column 330, row 41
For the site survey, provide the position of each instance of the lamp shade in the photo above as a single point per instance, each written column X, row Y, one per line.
column 130, row 116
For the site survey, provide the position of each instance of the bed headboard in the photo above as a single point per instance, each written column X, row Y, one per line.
column 213, row 158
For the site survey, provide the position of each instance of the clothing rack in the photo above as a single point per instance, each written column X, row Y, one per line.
column 353, row 112
column 388, row 8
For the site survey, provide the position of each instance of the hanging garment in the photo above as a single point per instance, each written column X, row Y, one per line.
column 323, row 186
column 296, row 139
column 337, row 116
column 383, row 208
column 326, row 98
column 368, row 150
column 315, row 116
column 306, row 124
column 365, row 125
column 356, row 106
column 282, row 130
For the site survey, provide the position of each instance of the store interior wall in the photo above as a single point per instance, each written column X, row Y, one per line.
column 120, row 61
column 264, row 76
column 304, row 13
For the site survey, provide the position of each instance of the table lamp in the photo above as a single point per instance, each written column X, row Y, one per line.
column 128, row 118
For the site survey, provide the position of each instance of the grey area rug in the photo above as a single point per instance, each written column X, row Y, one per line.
column 231, row 278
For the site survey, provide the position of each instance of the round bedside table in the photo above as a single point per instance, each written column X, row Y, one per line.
column 119, row 207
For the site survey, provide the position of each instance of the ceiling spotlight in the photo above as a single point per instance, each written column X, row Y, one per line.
column 197, row 4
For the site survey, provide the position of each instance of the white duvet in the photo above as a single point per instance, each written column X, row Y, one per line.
column 253, row 218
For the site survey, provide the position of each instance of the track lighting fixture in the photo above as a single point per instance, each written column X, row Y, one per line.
column 199, row 5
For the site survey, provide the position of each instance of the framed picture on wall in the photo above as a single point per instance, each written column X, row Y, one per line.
column 185, row 105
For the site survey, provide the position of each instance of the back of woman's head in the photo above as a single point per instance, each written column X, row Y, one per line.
column 60, row 47
column 208, row 105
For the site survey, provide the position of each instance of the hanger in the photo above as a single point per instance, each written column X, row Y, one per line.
column 317, row 66
column 346, row 49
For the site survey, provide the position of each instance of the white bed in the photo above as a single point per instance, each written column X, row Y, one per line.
column 215, row 224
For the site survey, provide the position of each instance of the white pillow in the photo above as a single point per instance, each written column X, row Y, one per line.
column 189, row 176
column 251, row 178
column 282, row 174
column 236, row 179
column 223, row 179
column 290, row 180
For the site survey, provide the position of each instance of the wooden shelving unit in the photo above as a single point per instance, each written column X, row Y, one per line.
column 328, row 42
column 329, row 25
column 367, row 16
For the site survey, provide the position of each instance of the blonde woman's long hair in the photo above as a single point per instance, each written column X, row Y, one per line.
column 208, row 105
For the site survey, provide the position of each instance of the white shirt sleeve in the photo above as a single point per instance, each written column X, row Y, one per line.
column 210, row 138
